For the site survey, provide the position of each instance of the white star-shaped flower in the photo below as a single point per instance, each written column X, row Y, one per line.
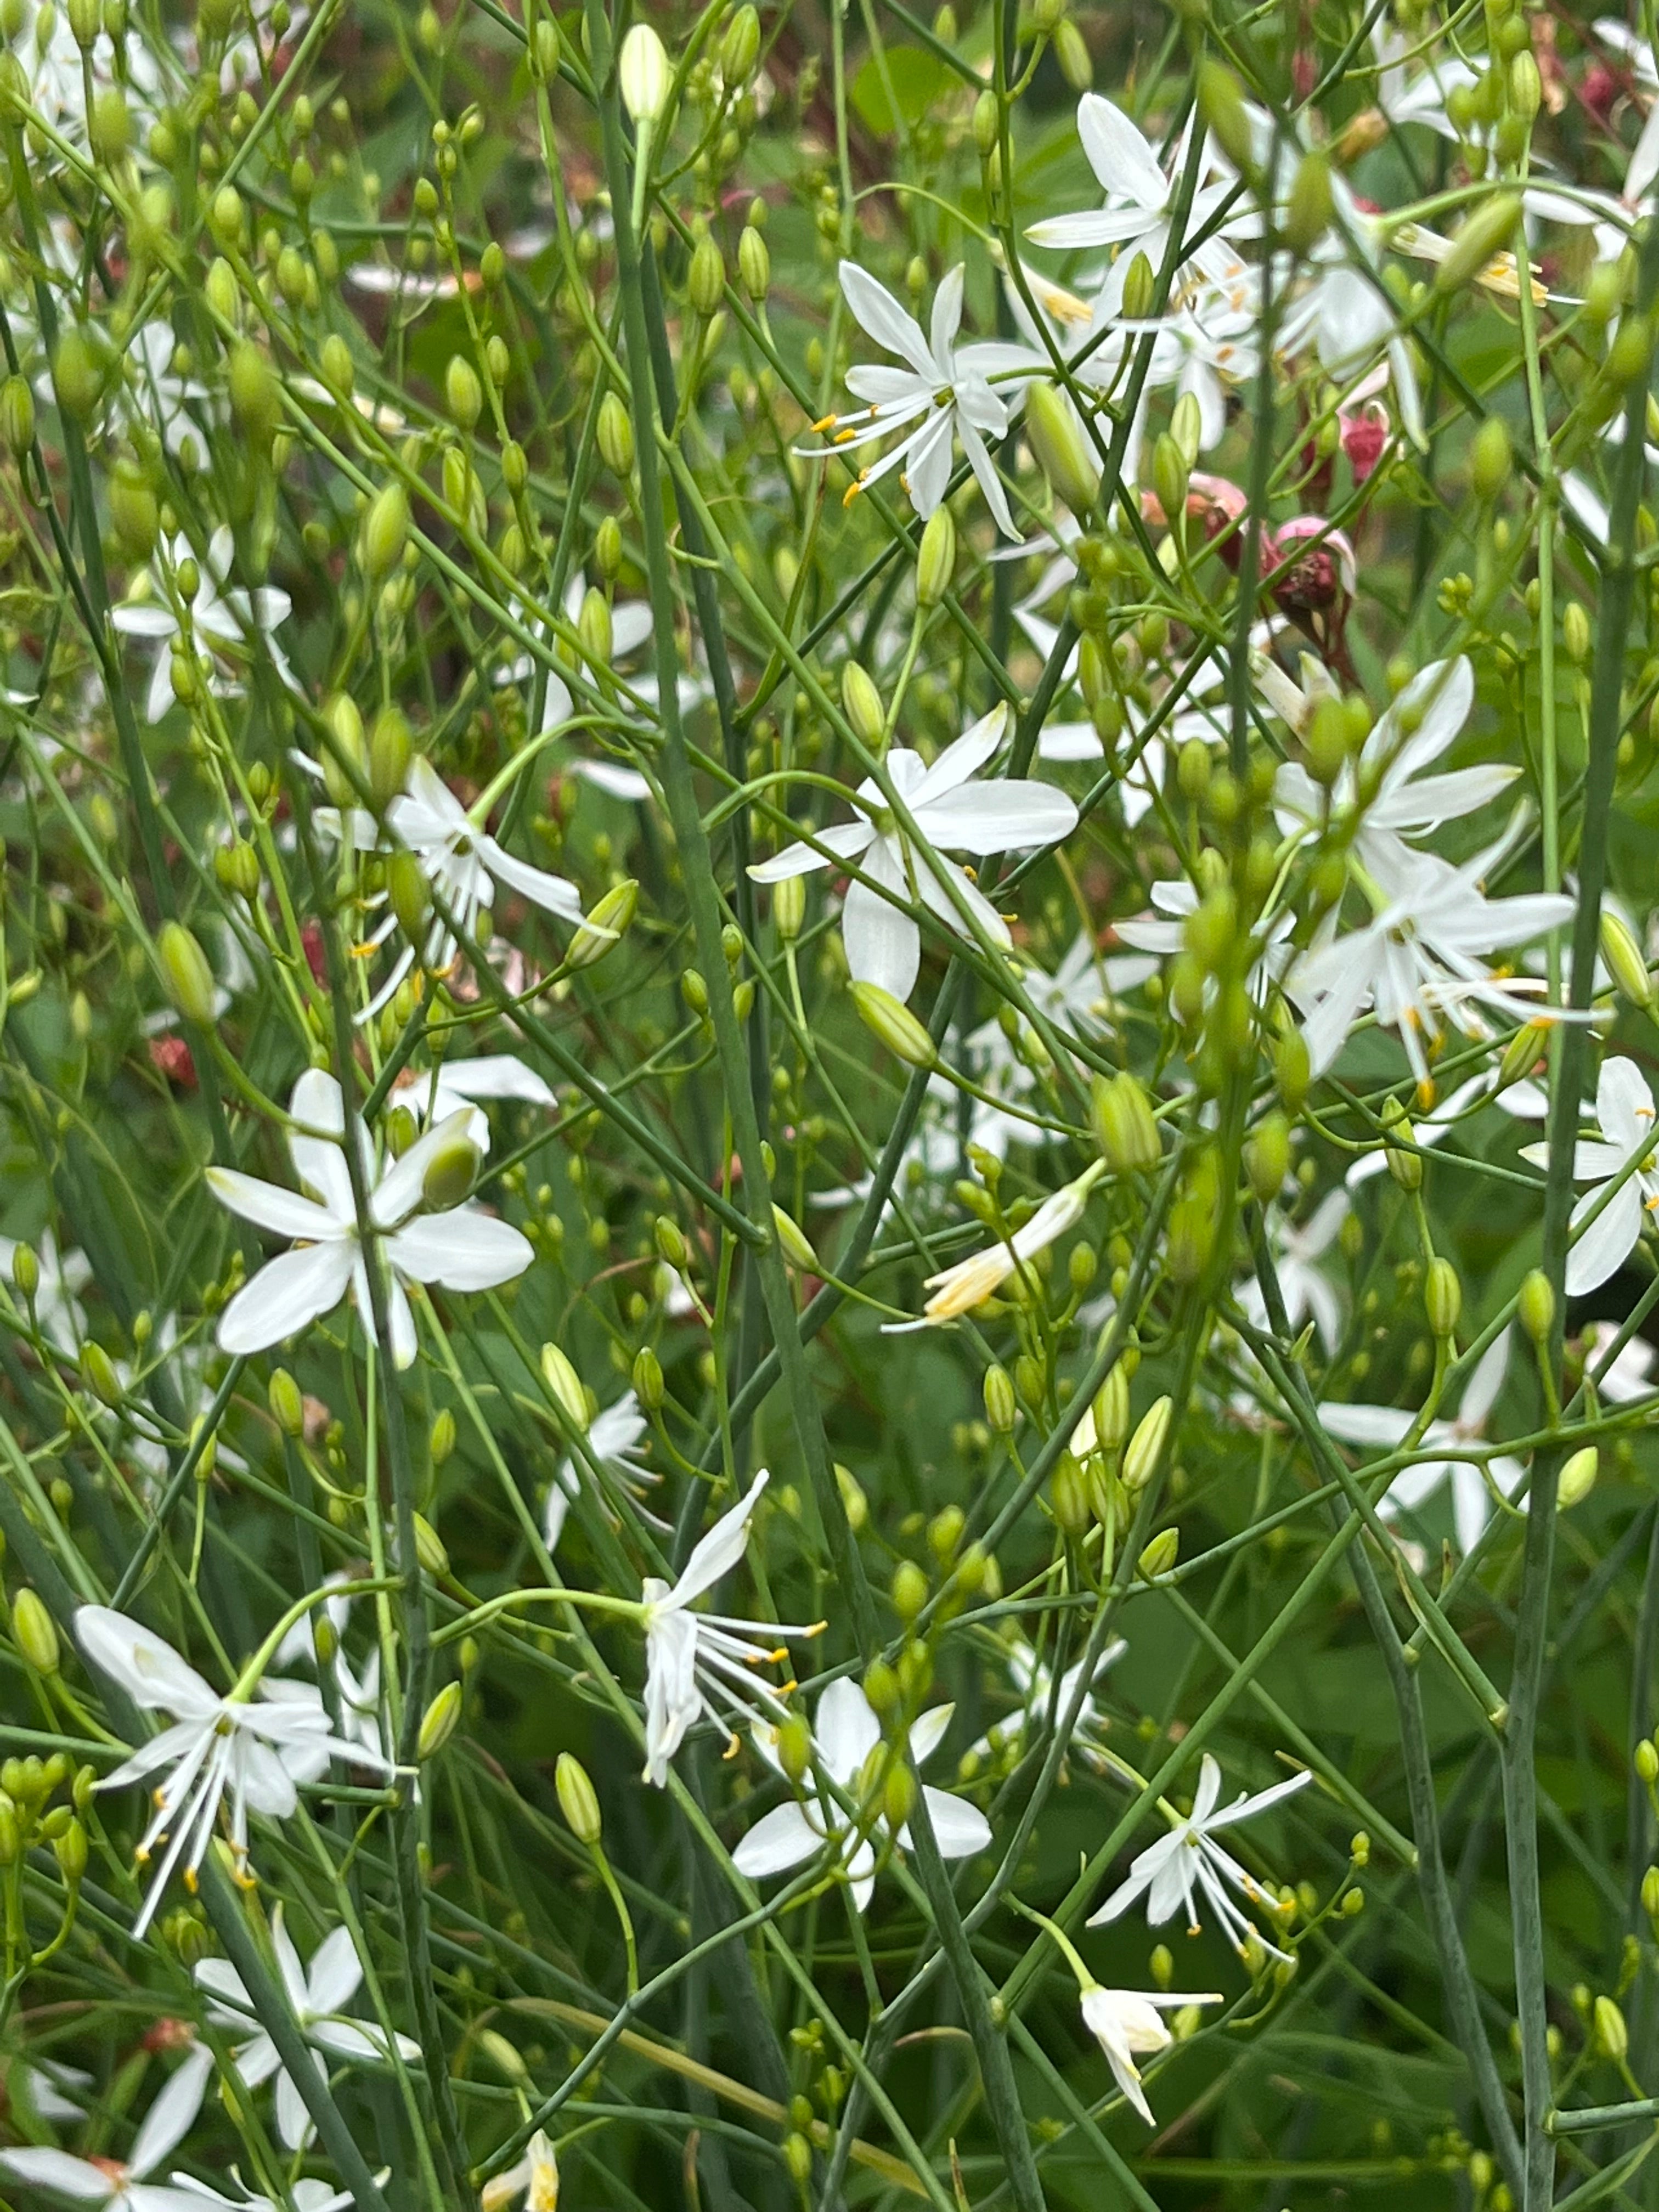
column 122, row 2186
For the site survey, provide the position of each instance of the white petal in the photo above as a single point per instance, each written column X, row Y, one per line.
column 960, row 1829
column 1605, row 1246
column 716, row 1553
column 56, row 2169
column 1119, row 154
column 880, row 313
column 998, row 818
column 286, row 1294
column 170, row 2118
column 846, row 1730
column 884, row 946
column 149, row 1669
column 335, row 1972
column 553, row 894
column 284, row 1212
column 465, row 1249
column 779, row 1839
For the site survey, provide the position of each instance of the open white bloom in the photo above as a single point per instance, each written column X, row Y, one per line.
column 614, row 1437
column 706, row 1662
column 953, row 814
column 229, row 624
column 1624, row 1132
column 958, row 1290
column 845, row 1732
column 1297, row 1248
column 316, row 1999
column 1126, row 2025
column 1386, row 1425
column 1034, row 1678
column 63, row 1275
column 944, row 384
column 256, row 1748
column 462, row 862
column 535, row 2178
column 1167, row 1872
column 1419, row 961
column 121, row 2185
column 463, row 1249
column 41, row 2088
column 158, row 396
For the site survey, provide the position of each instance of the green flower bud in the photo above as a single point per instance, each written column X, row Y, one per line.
column 1487, row 233
column 109, row 126
column 615, row 436
column 987, row 123
column 1267, row 1157
column 606, row 923
column 1645, row 1760
column 798, row 2157
column 76, row 378
column 291, row 275
column 515, row 468
column 1001, row 1407
column 463, row 392
column 1121, row 1115
column 11, row 1836
column 1650, row 1893
column 1577, row 1479
column 32, row 1628
column 1623, row 954
column 69, row 1850
column 1523, row 1053
column 98, row 1373
column 428, row 1547
column 134, row 514
column 1489, row 458
column 186, row 974
column 644, row 75
column 754, row 264
column 1293, row 1070
column 593, row 622
column 854, row 1502
column 339, row 369
column 1145, row 1447
column 706, row 281
column 909, row 1590
column 789, row 906
column 452, row 1170
column 17, row 416
column 1612, row 2038
column 1139, row 286
column 438, row 1722
column 1169, row 473
column 441, row 1439
column 1443, row 1296
column 881, row 1686
column 1160, row 1556
column 1056, row 439
column 256, row 397
column 1536, row 1305
column 794, row 1747
column 1308, row 212
column 740, row 48
column 1576, row 633
column 390, row 747
column 24, row 1271
column 578, row 1800
column 1405, row 1167
column 386, row 531
column 1111, row 1410
column 344, row 750
column 647, row 1379
column 1072, row 53
column 1526, row 87
column 287, row 1407
column 1074, row 1507
column 565, row 1385
column 1221, row 103
column 223, row 293
column 936, row 560
column 895, row 1025
column 862, row 702
column 898, row 1795
column 796, row 1249
column 409, row 893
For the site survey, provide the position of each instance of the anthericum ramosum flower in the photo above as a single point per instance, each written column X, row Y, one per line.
column 253, row 1746
column 1188, row 1859
column 228, row 621
column 461, row 1247
column 845, row 1733
column 120, row 2185
column 1125, row 2023
column 535, row 2178
column 944, row 383
column 953, row 814
column 318, row 1999
column 1297, row 1248
column 706, row 1663
column 614, row 1437
column 1623, row 1133
column 489, row 1078
column 958, row 1290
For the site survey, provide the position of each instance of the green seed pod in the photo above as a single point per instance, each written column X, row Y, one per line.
column 463, row 392
column 936, row 560
column 17, row 416
column 452, row 1170
column 1160, row 1556
column 1489, row 458
column 75, row 376
column 565, row 1385
column 740, row 47
column 1308, row 210
column 1121, row 1115
column 1623, row 954
column 754, row 264
column 899, row 1029
column 909, row 1590
column 606, row 922
column 409, row 893
column 33, row 1632
column 186, row 974
column 705, row 282
column 1056, row 439
column 615, row 436
column 1487, row 233
column 134, row 514
column 438, row 1722
column 386, row 531
column 862, row 702
column 1536, row 1305
column 70, row 1850
column 287, row 1407
column 428, row 1547
column 647, row 1379
column 1577, row 1479
column 1145, row 1446
column 1001, row 1407
column 1443, row 1296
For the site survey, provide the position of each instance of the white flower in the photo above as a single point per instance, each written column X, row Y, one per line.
column 257, row 1750
column 1167, row 1872
column 944, row 383
column 535, row 2178
column 316, row 1999
column 697, row 1662
column 41, row 2088
column 958, row 1290
column 1163, row 932
column 157, row 395
column 1387, row 1425
column 463, row 1249
column 1624, row 1131
column 58, row 1307
column 230, row 624
column 1523, row 1101
column 456, row 1083
column 1419, row 99
column 121, row 2186
column 310, row 2194
column 460, row 860
column 845, row 1732
column 1297, row 1248
column 1418, row 960
column 1126, row 2025
column 1630, row 1376
column 1034, row 1678
column 613, row 1439
column 883, row 945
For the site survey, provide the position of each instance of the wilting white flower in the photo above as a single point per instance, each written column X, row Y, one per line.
column 1387, row 1425
column 463, row 1249
column 944, row 383
column 958, row 1290
column 1126, row 2025
column 231, row 624
column 1297, row 1248
column 613, row 1438
column 1624, row 1132
column 120, row 2185
column 316, row 1998
column 256, row 1749
column 701, row 1663
column 845, row 1732
column 883, row 945
column 63, row 1275
column 535, row 2178
column 1167, row 1872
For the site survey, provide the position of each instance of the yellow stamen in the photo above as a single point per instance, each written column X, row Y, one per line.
column 826, row 422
